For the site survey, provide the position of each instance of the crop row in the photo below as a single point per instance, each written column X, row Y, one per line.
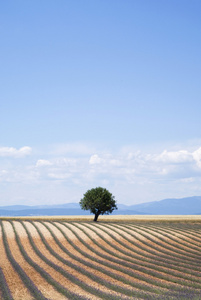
column 85, row 260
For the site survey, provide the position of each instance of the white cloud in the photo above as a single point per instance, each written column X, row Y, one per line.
column 59, row 176
column 3, row 175
column 197, row 157
column 95, row 159
column 116, row 162
column 13, row 152
column 64, row 161
column 181, row 156
column 133, row 171
column 43, row 163
column 187, row 180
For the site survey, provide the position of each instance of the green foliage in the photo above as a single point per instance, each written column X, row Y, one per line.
column 99, row 201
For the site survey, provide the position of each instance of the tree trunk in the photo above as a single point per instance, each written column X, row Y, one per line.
column 96, row 217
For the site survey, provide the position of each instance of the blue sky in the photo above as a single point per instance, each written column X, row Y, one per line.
column 99, row 93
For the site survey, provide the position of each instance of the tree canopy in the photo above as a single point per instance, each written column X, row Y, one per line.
column 99, row 201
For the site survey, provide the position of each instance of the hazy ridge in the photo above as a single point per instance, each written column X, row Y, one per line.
column 181, row 206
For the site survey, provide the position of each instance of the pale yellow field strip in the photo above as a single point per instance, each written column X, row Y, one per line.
column 116, row 218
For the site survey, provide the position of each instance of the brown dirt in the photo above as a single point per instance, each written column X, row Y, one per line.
column 97, row 265
column 70, row 270
column 121, row 233
column 15, row 284
column 54, row 274
column 163, row 243
column 46, row 289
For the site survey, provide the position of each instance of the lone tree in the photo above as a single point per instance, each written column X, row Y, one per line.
column 99, row 201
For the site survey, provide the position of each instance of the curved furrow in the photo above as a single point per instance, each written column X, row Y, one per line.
column 185, row 270
column 193, row 233
column 165, row 243
column 191, row 229
column 129, row 229
column 65, row 267
column 189, row 269
column 154, row 246
column 56, row 281
column 36, row 293
column 108, row 275
column 158, row 282
column 82, row 257
column 49, row 271
column 15, row 284
column 157, row 242
column 147, row 259
column 175, row 227
column 104, row 288
column 181, row 275
column 178, row 240
column 100, row 260
column 95, row 262
column 107, row 245
column 117, row 267
column 176, row 236
column 170, row 243
column 173, row 274
column 155, row 273
column 142, row 245
column 117, row 245
column 188, row 235
column 4, row 289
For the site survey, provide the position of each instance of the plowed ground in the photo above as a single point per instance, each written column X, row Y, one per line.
column 52, row 259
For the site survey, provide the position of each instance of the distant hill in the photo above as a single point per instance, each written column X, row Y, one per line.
column 68, row 209
column 182, row 206
column 42, row 210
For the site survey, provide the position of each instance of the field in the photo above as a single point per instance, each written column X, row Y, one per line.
column 133, row 257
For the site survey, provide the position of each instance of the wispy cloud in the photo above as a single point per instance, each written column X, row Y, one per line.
column 120, row 165
column 43, row 163
column 197, row 157
column 129, row 173
column 95, row 159
column 13, row 152
column 188, row 163
column 181, row 156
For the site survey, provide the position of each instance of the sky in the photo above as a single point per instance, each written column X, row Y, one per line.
column 99, row 93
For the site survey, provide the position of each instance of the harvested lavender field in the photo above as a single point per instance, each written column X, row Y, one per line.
column 111, row 259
